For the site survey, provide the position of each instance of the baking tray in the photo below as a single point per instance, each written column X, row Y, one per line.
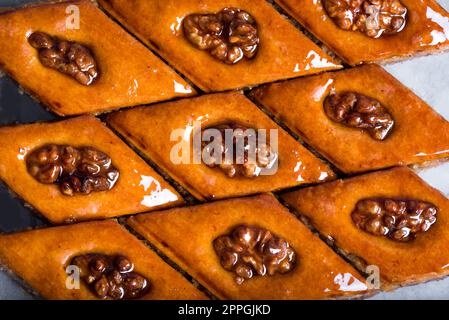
column 427, row 76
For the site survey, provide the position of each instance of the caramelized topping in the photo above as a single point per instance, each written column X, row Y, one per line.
column 76, row 170
column 111, row 277
column 264, row 156
column 229, row 35
column 400, row 220
column 359, row 111
column 373, row 18
column 68, row 57
column 249, row 251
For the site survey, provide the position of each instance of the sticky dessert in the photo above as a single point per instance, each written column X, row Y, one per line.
column 78, row 169
column 390, row 219
column 92, row 261
column 222, row 45
column 66, row 59
column 360, row 119
column 361, row 31
column 219, row 170
column 250, row 248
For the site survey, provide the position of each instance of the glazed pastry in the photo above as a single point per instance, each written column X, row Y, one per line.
column 371, row 31
column 390, row 219
column 222, row 45
column 295, row 165
column 78, row 169
column 304, row 268
column 360, row 119
column 46, row 259
column 85, row 70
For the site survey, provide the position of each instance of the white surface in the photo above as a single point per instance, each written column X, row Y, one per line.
column 10, row 289
column 434, row 290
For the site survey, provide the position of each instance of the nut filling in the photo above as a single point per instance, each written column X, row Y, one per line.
column 255, row 157
column 111, row 277
column 76, row 170
column 70, row 58
column 359, row 111
column 229, row 35
column 400, row 220
column 249, row 251
column 373, row 18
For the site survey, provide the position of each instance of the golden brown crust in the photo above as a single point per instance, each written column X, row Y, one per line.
column 40, row 258
column 329, row 208
column 284, row 51
column 426, row 31
column 316, row 276
column 419, row 133
column 138, row 189
column 129, row 73
column 149, row 129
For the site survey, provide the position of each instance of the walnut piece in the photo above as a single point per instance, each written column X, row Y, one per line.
column 400, row 220
column 374, row 18
column 111, row 277
column 229, row 35
column 76, row 170
column 359, row 111
column 264, row 158
column 68, row 57
column 249, row 251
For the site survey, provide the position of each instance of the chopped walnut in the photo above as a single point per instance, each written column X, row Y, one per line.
column 359, row 111
column 400, row 220
column 111, row 277
column 75, row 170
column 229, row 35
column 249, row 251
column 264, row 156
column 373, row 18
column 68, row 57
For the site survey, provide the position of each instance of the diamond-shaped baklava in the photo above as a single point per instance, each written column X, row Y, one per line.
column 92, row 260
column 158, row 131
column 75, row 60
column 360, row 119
column 222, row 45
column 78, row 169
column 367, row 31
column 390, row 220
column 250, row 248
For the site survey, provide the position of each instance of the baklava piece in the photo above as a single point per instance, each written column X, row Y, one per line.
column 374, row 30
column 76, row 60
column 92, row 260
column 166, row 134
column 222, row 45
column 391, row 220
column 360, row 119
column 78, row 169
column 250, row 248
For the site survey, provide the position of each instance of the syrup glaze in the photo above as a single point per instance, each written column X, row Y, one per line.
column 419, row 134
column 427, row 30
column 296, row 164
column 284, row 52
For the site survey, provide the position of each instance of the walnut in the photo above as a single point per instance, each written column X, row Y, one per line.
column 249, row 251
column 111, row 277
column 359, row 111
column 229, row 35
column 76, row 170
column 374, row 18
column 400, row 220
column 265, row 157
column 67, row 57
